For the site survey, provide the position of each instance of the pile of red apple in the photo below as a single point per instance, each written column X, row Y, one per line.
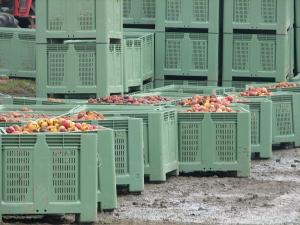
column 283, row 85
column 129, row 100
column 255, row 91
column 210, row 108
column 88, row 115
column 50, row 125
column 202, row 100
column 13, row 117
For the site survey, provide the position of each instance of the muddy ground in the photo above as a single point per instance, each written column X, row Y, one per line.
column 270, row 196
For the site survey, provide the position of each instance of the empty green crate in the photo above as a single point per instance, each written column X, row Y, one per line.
column 17, row 52
column 128, row 135
column 277, row 15
column 159, row 136
column 138, row 58
column 162, row 83
column 208, row 90
column 79, row 67
column 139, row 12
column 214, row 142
column 188, row 14
column 285, row 118
column 256, row 56
column 261, row 126
column 49, row 174
column 187, row 54
column 96, row 19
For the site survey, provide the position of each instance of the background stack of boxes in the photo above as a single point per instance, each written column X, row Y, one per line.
column 258, row 41
column 79, row 48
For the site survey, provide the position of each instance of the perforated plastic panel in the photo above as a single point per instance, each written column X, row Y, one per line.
column 241, row 51
column 199, row 44
column 149, row 9
column 5, row 48
column 173, row 10
column 121, row 152
column 269, row 11
column 241, row 11
column 173, row 56
column 189, row 141
column 284, row 118
column 255, row 127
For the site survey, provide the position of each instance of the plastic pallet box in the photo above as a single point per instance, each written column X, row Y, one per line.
column 17, row 52
column 159, row 136
column 94, row 19
column 188, row 14
column 30, row 187
column 276, row 15
column 128, row 149
column 139, row 12
column 214, row 142
column 163, row 83
column 241, row 85
column 261, row 126
column 208, row 90
column 79, row 67
column 138, row 59
column 285, row 119
column 187, row 55
column 256, row 56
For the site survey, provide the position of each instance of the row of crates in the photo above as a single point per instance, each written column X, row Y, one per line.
column 198, row 56
column 276, row 15
column 99, row 20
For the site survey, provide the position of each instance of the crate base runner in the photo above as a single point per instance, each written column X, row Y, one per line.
column 47, row 174
column 214, row 142
column 159, row 136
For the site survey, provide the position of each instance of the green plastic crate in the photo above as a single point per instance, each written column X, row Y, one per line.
column 95, row 19
column 47, row 174
column 159, row 136
column 188, row 14
column 138, row 59
column 277, row 15
column 240, row 85
column 128, row 135
column 214, row 142
column 187, row 54
column 285, row 118
column 162, row 83
column 139, row 12
column 256, row 56
column 79, row 67
column 208, row 90
column 261, row 126
column 17, row 52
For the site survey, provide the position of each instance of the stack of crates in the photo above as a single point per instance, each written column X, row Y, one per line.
column 79, row 48
column 257, row 41
column 187, row 42
column 139, row 17
column 297, row 36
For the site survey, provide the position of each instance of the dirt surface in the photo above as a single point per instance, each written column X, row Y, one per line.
column 270, row 196
column 17, row 87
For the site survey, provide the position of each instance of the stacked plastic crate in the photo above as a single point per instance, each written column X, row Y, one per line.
column 139, row 17
column 258, row 41
column 79, row 48
column 297, row 37
column 187, row 42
